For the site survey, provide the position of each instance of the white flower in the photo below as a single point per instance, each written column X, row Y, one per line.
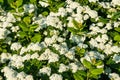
column 10, row 17
column 34, row 56
column 107, row 49
column 29, row 8
column 78, row 17
column 16, row 61
column 103, row 31
column 69, row 1
column 52, row 20
column 92, row 13
column 86, row 17
column 95, row 55
column 62, row 12
column 56, row 46
column 63, row 68
column 81, row 45
column 29, row 77
column 15, row 29
column 45, row 33
column 56, row 77
column 70, row 55
column 87, row 57
column 77, row 39
column 100, row 24
column 15, row 46
column 80, row 9
column 48, row 41
column 114, row 76
column 93, row 43
column 26, row 57
column 70, row 23
column 95, row 29
column 23, row 50
column 9, row 73
column 105, row 37
column 115, row 49
column 45, row 70
column 45, row 55
column 105, row 5
column 60, row 39
column 6, row 24
column 116, row 2
column 93, row 1
column 3, row 33
column 101, row 46
column 43, row 4
column 108, row 26
column 116, row 24
column 5, row 56
column 21, row 75
column 102, row 39
column 69, row 10
column 34, row 47
column 53, row 57
column 74, row 5
column 74, row 67
column 41, row 21
column 116, row 58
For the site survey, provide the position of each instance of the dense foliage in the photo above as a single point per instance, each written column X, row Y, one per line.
column 59, row 40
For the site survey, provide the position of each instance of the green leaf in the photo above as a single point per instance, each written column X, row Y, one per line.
column 72, row 30
column 87, row 64
column 60, row 5
column 117, row 38
column 27, row 20
column 93, row 76
column 75, row 31
column 117, row 29
column 15, row 4
column 97, row 71
column 110, row 61
column 92, row 20
column 23, row 26
column 113, row 33
column 82, row 50
column 12, row 4
column 103, row 20
column 78, row 77
column 33, row 27
column 19, row 3
column 10, row 1
column 98, row 63
column 22, row 34
column 116, row 15
column 36, row 38
column 45, row 13
column 78, row 25
column 1, row 1
column 32, row 1
column 82, row 73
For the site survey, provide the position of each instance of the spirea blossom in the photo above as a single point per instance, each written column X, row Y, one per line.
column 56, row 77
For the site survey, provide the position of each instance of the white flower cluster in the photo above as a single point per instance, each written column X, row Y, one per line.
column 50, row 56
column 114, row 76
column 9, row 73
column 56, row 77
column 57, row 41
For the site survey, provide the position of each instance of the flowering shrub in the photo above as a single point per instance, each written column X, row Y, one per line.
column 59, row 40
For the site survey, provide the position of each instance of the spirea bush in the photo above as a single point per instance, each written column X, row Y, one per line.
column 59, row 40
